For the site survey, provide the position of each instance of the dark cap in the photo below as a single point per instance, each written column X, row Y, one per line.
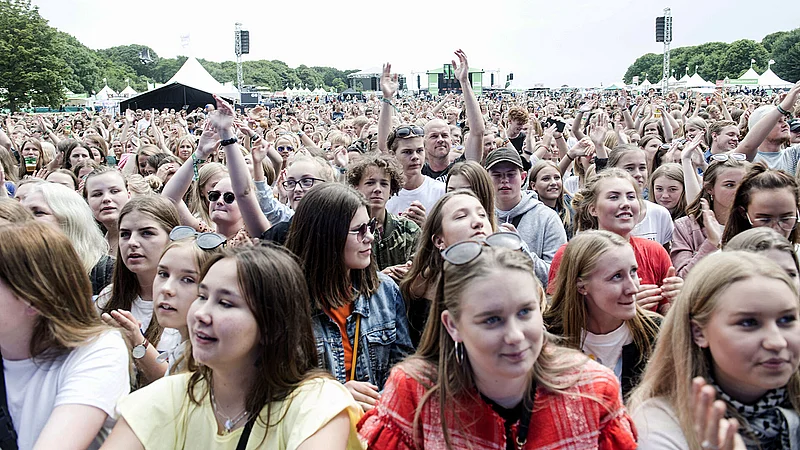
column 794, row 125
column 503, row 155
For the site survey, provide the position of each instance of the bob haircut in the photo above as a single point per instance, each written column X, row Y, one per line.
column 318, row 234
column 274, row 288
column 38, row 266
column 76, row 221
column 676, row 359
column 480, row 184
column 758, row 178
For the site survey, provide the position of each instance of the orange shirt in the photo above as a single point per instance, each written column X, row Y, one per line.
column 340, row 315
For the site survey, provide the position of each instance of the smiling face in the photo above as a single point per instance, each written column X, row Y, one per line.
column 222, row 328
column 141, row 242
column 358, row 251
column 106, row 195
column 611, row 288
column 500, row 325
column 548, row 184
column 617, row 207
column 667, row 192
column 463, row 218
column 754, row 346
column 726, row 140
column 375, row 186
column 175, row 287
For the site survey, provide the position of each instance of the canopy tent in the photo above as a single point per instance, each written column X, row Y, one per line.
column 192, row 86
column 769, row 78
column 105, row 93
column 128, row 92
column 696, row 81
column 319, row 91
column 645, row 85
column 615, row 86
column 750, row 78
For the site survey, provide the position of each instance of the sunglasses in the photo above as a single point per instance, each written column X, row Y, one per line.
column 408, row 131
column 206, row 241
column 361, row 231
column 726, row 156
column 465, row 252
column 227, row 197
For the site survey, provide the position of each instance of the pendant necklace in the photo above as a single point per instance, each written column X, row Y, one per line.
column 229, row 424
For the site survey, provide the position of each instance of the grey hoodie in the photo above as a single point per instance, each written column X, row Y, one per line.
column 540, row 227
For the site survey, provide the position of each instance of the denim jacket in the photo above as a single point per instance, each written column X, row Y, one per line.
column 383, row 342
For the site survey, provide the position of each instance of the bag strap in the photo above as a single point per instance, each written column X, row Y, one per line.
column 516, row 220
column 8, row 436
column 245, row 435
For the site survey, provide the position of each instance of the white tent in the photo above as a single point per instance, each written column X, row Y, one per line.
column 105, row 93
column 319, row 91
column 128, row 92
column 194, row 75
column 769, row 78
column 696, row 81
column 646, row 85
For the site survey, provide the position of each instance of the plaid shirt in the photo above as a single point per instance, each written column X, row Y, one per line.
column 396, row 243
column 559, row 421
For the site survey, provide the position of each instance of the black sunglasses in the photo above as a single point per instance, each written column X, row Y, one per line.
column 206, row 241
column 361, row 231
column 227, row 197
column 406, row 131
column 466, row 251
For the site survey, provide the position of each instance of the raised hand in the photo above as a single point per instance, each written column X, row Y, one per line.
column 461, row 68
column 710, row 424
column 389, row 83
column 208, row 143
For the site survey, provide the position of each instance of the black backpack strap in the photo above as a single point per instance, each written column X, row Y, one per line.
column 516, row 220
column 245, row 435
column 8, row 436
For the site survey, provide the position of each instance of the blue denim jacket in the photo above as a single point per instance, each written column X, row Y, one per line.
column 384, row 339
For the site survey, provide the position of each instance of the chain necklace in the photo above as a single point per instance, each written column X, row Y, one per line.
column 229, row 424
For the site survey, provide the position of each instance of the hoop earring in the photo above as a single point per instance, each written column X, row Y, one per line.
column 459, row 353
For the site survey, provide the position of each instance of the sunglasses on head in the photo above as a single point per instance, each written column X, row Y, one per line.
column 466, row 251
column 361, row 231
column 408, row 131
column 227, row 197
column 206, row 241
column 726, row 156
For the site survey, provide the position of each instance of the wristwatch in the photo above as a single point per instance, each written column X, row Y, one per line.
column 140, row 350
column 230, row 141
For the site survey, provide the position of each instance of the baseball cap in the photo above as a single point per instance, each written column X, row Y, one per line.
column 756, row 115
column 794, row 125
column 503, row 155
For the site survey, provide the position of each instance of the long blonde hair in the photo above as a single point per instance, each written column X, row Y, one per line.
column 434, row 364
column 588, row 196
column 676, row 359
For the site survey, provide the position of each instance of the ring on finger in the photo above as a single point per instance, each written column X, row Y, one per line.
column 707, row 445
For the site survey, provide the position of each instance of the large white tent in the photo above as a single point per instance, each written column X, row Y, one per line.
column 696, row 81
column 194, row 75
column 769, row 79
column 105, row 93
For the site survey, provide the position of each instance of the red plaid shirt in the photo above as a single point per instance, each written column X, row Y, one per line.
column 559, row 421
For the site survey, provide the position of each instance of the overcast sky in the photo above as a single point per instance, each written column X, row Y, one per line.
column 555, row 42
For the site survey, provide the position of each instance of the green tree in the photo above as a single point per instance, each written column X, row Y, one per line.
column 786, row 53
column 769, row 40
column 31, row 69
column 650, row 64
column 737, row 58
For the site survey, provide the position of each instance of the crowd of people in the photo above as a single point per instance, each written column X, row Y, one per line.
column 612, row 270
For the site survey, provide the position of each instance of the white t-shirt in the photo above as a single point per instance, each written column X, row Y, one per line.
column 657, row 224
column 95, row 374
column 607, row 348
column 428, row 193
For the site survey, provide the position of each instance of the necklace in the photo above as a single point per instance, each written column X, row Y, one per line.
column 229, row 424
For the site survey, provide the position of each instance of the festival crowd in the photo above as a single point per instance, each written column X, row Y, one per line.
column 615, row 270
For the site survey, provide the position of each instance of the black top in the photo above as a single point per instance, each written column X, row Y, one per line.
column 277, row 233
column 442, row 174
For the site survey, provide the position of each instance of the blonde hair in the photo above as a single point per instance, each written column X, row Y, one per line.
column 588, row 196
column 76, row 221
column 198, row 203
column 676, row 359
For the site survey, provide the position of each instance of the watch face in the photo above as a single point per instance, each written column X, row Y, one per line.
column 139, row 351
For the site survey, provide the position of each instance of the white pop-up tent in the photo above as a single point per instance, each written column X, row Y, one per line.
column 193, row 74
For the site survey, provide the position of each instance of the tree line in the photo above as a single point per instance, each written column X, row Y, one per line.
column 38, row 62
column 719, row 60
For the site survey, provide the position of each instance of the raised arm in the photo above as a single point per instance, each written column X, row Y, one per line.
column 254, row 220
column 389, row 86
column 473, row 147
column 441, row 104
column 762, row 128
column 691, row 180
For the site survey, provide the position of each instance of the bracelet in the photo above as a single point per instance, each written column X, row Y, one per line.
column 783, row 111
column 389, row 102
column 527, row 152
column 570, row 157
column 230, row 141
column 195, row 162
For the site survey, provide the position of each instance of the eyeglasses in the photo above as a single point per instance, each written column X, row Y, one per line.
column 361, row 231
column 465, row 252
column 286, row 148
column 206, row 241
column 726, row 156
column 305, row 183
column 785, row 223
column 227, row 197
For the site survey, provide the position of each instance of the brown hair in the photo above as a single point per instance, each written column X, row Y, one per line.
column 589, row 195
column 762, row 239
column 518, row 114
column 13, row 211
column 758, row 178
column 480, row 184
column 712, row 172
column 38, row 265
column 674, row 172
column 357, row 170
column 561, row 206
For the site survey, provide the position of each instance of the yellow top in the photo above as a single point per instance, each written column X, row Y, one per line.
column 162, row 417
